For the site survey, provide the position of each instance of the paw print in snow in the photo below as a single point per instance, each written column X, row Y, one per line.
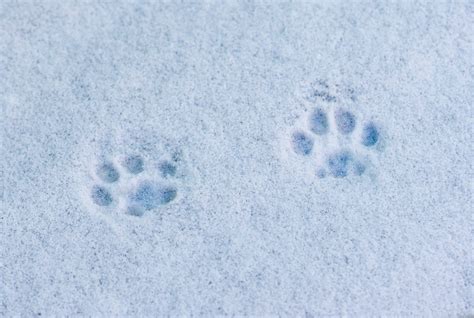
column 128, row 183
column 331, row 135
column 131, row 174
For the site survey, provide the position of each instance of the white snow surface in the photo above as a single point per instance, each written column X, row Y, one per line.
column 216, row 90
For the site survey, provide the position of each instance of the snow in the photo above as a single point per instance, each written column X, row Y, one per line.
column 207, row 206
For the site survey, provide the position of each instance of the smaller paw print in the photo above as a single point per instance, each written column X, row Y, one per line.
column 134, row 185
column 334, row 139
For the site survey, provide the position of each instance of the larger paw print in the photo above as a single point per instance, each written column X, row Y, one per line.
column 333, row 135
column 133, row 184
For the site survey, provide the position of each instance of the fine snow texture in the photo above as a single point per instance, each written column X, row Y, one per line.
column 294, row 159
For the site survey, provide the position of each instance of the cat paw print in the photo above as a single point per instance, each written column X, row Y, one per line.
column 132, row 173
column 332, row 135
column 133, row 184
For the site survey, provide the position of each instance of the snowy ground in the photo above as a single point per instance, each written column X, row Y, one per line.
column 290, row 159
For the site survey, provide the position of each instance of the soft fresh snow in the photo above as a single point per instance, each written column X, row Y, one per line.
column 294, row 159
